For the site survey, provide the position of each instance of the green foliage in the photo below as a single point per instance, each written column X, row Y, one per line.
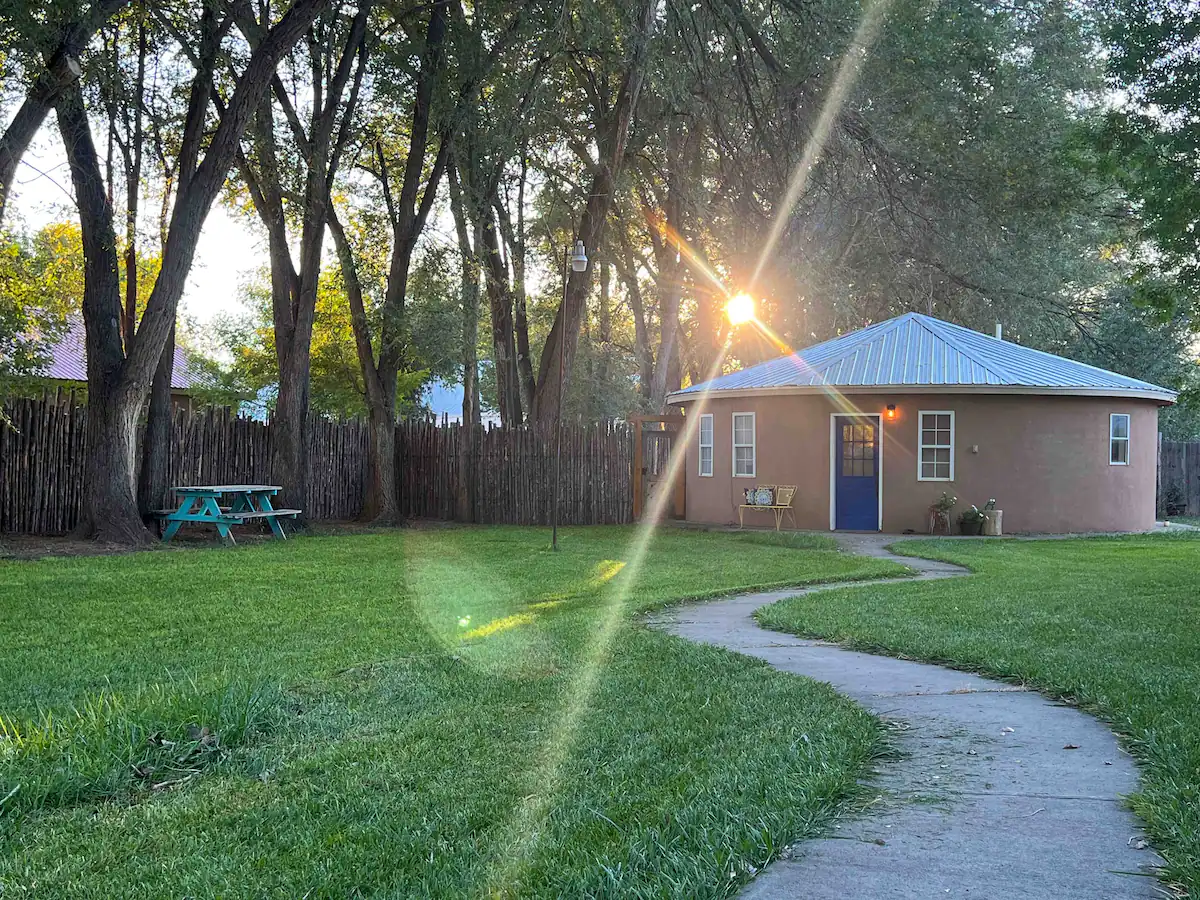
column 445, row 687
column 1151, row 142
column 41, row 284
column 248, row 367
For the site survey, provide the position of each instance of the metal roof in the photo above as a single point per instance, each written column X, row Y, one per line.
column 68, row 360
column 916, row 352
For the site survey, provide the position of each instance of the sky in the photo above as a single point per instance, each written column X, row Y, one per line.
column 229, row 252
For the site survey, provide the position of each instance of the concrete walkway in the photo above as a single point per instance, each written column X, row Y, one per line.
column 985, row 801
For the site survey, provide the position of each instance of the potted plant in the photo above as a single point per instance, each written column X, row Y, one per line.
column 939, row 514
column 971, row 521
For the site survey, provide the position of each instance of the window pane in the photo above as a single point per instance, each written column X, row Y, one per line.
column 928, row 436
column 942, row 470
column 1119, row 452
column 706, row 460
column 942, row 456
column 943, row 422
column 706, row 430
column 1120, row 426
column 927, row 470
column 743, row 460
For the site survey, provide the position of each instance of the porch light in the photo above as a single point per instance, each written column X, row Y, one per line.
column 740, row 309
column 891, row 410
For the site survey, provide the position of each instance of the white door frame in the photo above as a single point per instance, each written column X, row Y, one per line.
column 833, row 462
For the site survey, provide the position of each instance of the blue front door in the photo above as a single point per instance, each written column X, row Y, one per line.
column 856, row 474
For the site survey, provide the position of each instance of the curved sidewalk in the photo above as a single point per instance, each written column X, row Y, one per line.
column 985, row 800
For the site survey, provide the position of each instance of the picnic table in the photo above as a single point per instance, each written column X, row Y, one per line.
column 202, row 504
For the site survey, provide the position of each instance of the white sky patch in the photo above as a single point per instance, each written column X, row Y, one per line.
column 229, row 250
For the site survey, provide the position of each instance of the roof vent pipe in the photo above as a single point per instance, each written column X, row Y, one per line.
column 999, row 332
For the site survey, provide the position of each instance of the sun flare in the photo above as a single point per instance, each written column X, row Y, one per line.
column 740, row 309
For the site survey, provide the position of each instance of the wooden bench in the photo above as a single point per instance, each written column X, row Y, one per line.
column 782, row 495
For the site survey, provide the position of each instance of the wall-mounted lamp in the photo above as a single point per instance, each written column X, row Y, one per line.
column 891, row 410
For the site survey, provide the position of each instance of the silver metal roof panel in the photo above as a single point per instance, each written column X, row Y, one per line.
column 913, row 350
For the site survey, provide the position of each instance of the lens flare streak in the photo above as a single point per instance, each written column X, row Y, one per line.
column 525, row 828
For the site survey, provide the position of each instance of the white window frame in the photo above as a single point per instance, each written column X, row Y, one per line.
column 922, row 446
column 1112, row 439
column 710, row 446
column 753, row 445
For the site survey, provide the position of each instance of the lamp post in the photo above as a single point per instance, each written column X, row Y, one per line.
column 576, row 261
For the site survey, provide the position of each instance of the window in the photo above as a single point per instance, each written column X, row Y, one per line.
column 1118, row 439
column 706, row 445
column 743, row 445
column 935, row 458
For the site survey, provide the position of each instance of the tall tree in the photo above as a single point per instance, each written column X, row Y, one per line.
column 409, row 190
column 119, row 379
column 612, row 118
column 331, row 72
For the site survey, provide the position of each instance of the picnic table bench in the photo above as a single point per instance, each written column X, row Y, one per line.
column 202, row 504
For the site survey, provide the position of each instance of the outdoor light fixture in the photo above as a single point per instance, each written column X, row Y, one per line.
column 572, row 262
column 740, row 309
column 579, row 258
column 891, row 410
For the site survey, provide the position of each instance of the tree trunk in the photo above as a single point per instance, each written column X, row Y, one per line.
column 289, row 431
column 156, row 442
column 520, row 313
column 559, row 352
column 381, row 505
column 604, row 317
column 467, row 445
column 110, row 511
column 500, row 302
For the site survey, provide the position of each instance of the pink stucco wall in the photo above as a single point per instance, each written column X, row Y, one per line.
column 1044, row 458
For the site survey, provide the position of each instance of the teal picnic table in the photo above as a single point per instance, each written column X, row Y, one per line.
column 201, row 504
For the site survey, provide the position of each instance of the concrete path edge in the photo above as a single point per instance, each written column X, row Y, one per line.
column 997, row 792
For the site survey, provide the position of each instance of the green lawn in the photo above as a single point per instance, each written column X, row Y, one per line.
column 1111, row 624
column 432, row 712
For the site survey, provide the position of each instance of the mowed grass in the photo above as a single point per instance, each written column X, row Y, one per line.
column 448, row 712
column 1110, row 624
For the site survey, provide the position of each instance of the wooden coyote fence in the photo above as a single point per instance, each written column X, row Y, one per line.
column 1179, row 478
column 42, row 453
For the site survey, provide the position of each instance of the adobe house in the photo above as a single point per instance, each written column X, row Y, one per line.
column 874, row 425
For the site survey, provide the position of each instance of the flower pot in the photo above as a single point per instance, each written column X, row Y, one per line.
column 993, row 520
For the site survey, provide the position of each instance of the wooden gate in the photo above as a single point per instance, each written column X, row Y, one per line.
column 655, row 438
